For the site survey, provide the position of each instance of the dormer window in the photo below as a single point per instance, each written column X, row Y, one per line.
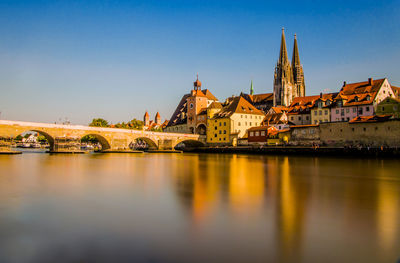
column 328, row 102
column 340, row 103
column 368, row 97
column 355, row 98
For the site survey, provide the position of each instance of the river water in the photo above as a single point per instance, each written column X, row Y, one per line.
column 198, row 208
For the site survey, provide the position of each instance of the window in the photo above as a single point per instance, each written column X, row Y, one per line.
column 326, row 112
column 354, row 110
column 307, row 118
column 383, row 108
column 376, row 128
column 291, row 118
column 238, row 123
column 367, row 108
column 250, row 124
column 257, row 133
column 215, row 135
column 251, row 116
column 215, row 127
column 341, row 130
column 262, row 133
column 191, row 105
column 224, row 123
column 299, row 118
column 251, row 134
column 320, row 112
column 220, row 132
column 245, row 123
column 219, row 138
column 347, row 110
column 315, row 113
column 224, row 131
column 224, row 139
column 365, row 129
column 337, row 111
column 352, row 129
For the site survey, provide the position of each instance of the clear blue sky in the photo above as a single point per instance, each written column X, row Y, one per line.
column 116, row 59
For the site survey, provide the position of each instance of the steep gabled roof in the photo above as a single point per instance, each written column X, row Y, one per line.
column 209, row 95
column 179, row 115
column 215, row 105
column 238, row 105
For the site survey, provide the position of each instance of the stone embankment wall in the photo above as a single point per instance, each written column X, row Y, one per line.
column 374, row 134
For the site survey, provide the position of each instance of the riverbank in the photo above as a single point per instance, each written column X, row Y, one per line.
column 300, row 150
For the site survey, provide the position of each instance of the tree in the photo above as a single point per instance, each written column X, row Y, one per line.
column 89, row 139
column 19, row 137
column 136, row 124
column 158, row 129
column 99, row 122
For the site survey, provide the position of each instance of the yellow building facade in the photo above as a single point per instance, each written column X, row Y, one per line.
column 227, row 124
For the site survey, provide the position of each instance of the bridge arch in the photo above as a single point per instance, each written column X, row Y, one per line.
column 105, row 144
column 201, row 129
column 190, row 143
column 48, row 137
column 150, row 142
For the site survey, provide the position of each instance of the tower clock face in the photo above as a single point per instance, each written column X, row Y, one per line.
column 191, row 105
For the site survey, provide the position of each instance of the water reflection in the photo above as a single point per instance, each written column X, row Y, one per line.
column 198, row 208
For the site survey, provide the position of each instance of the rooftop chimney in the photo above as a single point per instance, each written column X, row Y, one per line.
column 371, row 81
column 320, row 95
column 344, row 83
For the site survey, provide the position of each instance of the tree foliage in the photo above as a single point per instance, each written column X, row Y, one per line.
column 99, row 122
column 89, row 139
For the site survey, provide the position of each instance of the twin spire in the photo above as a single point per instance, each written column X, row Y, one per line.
column 283, row 54
column 288, row 77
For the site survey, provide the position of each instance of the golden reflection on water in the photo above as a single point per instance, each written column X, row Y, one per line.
column 193, row 207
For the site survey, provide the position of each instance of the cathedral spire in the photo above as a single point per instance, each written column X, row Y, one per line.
column 251, row 88
column 283, row 55
column 298, row 74
column 296, row 56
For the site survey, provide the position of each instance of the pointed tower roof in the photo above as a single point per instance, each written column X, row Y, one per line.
column 146, row 114
column 251, row 88
column 296, row 56
column 283, row 55
column 158, row 115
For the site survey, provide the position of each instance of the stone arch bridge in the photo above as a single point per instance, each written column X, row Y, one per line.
column 109, row 138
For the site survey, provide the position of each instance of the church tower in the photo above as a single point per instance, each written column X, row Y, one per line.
column 157, row 119
column 146, row 119
column 284, row 90
column 298, row 74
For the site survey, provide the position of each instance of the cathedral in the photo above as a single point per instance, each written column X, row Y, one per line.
column 288, row 77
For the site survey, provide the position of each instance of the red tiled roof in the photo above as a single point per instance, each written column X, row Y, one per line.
column 374, row 118
column 262, row 97
column 307, row 101
column 357, row 93
column 303, row 126
column 238, row 105
column 274, row 118
column 209, row 95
